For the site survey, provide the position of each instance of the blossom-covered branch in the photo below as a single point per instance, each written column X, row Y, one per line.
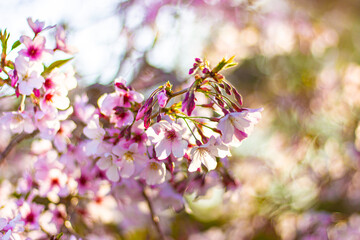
column 125, row 151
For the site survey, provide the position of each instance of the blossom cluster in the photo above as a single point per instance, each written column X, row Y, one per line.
column 93, row 164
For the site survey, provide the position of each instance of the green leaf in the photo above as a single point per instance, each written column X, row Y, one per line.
column 220, row 66
column 56, row 64
column 4, row 37
column 223, row 64
column 16, row 44
column 230, row 65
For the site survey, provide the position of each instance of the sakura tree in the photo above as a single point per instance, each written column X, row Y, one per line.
column 100, row 171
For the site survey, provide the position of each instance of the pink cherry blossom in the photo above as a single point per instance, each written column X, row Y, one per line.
column 139, row 136
column 54, row 184
column 62, row 137
column 37, row 26
column 17, row 122
column 95, row 133
column 35, row 49
column 82, row 109
column 48, row 123
column 108, row 163
column 121, row 117
column 130, row 96
column 154, row 172
column 87, row 179
column 58, row 214
column 236, row 126
column 54, row 99
column 31, row 213
column 29, row 75
column 15, row 225
column 61, row 44
column 206, row 154
column 168, row 138
column 129, row 159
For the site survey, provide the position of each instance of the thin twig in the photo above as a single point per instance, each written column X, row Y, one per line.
column 154, row 218
column 178, row 93
column 17, row 139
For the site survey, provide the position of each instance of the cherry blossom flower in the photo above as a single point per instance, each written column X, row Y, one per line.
column 206, row 154
column 108, row 103
column 236, row 126
column 61, row 44
column 87, row 179
column 128, row 159
column 108, row 163
column 25, row 184
column 54, row 185
column 54, row 99
column 47, row 123
column 82, row 109
column 168, row 138
column 37, row 26
column 62, row 137
column 70, row 79
column 29, row 75
column 31, row 213
column 95, row 133
column 15, row 225
column 17, row 122
column 121, row 117
column 58, row 214
column 154, row 172
column 139, row 136
column 127, row 95
column 35, row 49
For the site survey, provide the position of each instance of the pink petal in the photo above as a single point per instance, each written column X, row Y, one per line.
column 163, row 149
column 112, row 174
column 179, row 147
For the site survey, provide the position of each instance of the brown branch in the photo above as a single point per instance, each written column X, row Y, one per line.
column 17, row 139
column 155, row 219
column 178, row 93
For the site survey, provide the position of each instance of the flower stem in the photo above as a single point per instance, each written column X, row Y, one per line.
column 22, row 104
column 178, row 93
column 155, row 219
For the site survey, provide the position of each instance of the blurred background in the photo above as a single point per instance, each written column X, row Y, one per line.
column 299, row 172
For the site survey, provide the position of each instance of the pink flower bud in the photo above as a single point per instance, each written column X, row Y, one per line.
column 14, row 77
column 188, row 105
column 237, row 96
column 17, row 92
column 205, row 70
column 147, row 118
column 227, row 88
column 162, row 98
column 36, row 92
column 144, row 109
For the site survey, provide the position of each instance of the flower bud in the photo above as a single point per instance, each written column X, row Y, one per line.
column 227, row 88
column 237, row 96
column 205, row 71
column 191, row 71
column 162, row 98
column 198, row 60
